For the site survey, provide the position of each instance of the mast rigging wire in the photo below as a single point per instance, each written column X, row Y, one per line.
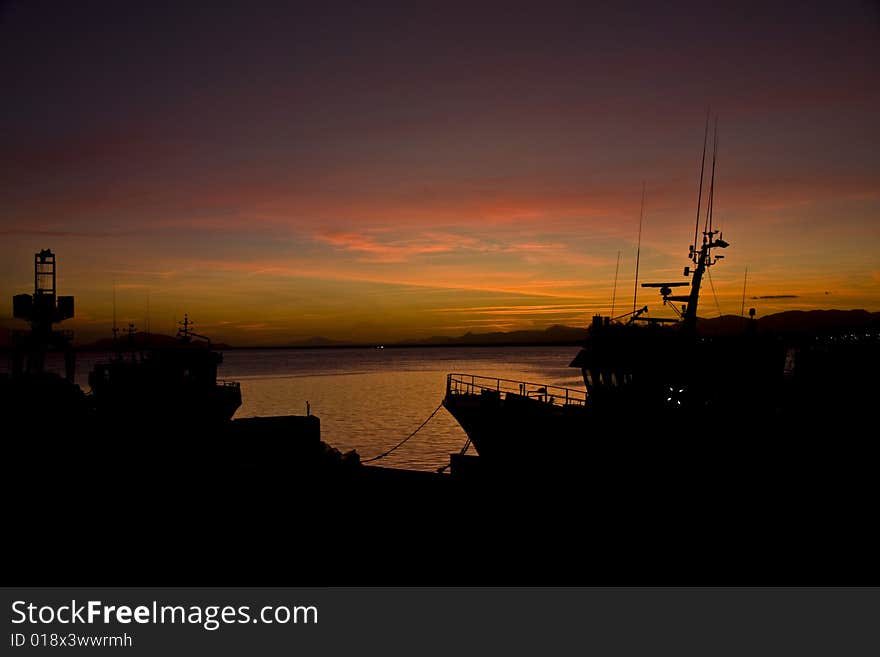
column 712, row 283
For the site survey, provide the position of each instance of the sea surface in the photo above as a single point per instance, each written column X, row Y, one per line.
column 370, row 399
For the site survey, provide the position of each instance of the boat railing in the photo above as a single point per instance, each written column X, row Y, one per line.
column 471, row 384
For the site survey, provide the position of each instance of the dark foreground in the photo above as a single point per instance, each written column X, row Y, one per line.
column 739, row 508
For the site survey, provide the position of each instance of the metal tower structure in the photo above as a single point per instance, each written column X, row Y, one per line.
column 42, row 310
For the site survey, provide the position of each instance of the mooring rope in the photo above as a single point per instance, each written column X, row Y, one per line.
column 400, row 444
column 444, row 468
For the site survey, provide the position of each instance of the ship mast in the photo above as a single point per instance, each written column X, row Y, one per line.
column 702, row 258
column 185, row 332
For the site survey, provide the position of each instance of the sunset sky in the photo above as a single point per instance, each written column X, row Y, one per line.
column 371, row 172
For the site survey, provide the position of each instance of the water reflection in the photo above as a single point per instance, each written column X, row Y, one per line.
column 370, row 399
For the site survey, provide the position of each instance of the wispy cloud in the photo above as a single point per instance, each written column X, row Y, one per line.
column 376, row 251
column 518, row 309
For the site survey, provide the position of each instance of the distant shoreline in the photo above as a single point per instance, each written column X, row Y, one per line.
column 413, row 346
column 795, row 322
column 93, row 349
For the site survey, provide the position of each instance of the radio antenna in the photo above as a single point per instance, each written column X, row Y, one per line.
column 711, row 202
column 639, row 248
column 700, row 192
column 115, row 328
column 614, row 293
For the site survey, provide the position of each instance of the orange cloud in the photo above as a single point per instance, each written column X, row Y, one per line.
column 395, row 251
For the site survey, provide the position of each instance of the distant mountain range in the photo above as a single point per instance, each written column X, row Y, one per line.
column 796, row 321
column 556, row 334
column 139, row 341
column 142, row 341
column 788, row 322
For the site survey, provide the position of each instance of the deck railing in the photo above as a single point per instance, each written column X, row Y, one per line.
column 471, row 384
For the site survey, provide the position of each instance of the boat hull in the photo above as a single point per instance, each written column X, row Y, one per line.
column 505, row 429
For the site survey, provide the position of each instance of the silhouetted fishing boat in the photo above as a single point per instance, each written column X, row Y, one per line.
column 646, row 371
column 175, row 383
column 643, row 375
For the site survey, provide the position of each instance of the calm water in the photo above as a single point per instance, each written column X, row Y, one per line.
column 370, row 399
